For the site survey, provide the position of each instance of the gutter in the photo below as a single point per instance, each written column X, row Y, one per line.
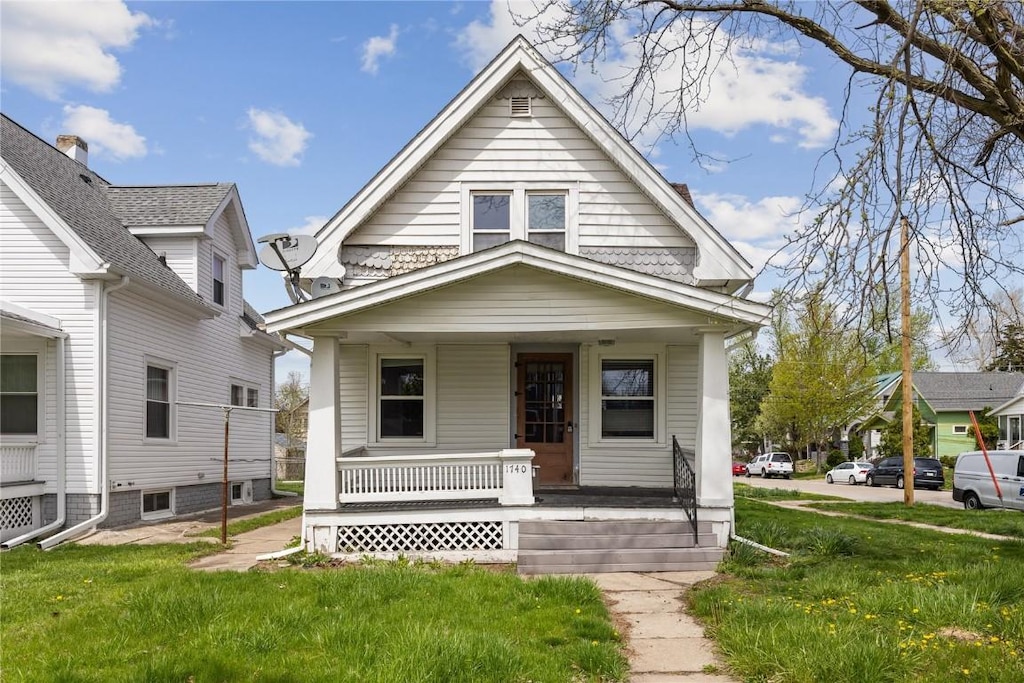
column 101, row 427
column 747, row 541
column 61, row 380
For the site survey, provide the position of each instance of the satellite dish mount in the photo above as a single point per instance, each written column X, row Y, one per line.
column 288, row 253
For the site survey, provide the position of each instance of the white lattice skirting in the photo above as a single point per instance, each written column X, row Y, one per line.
column 16, row 515
column 434, row 536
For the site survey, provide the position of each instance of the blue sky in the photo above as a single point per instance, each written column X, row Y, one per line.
column 301, row 103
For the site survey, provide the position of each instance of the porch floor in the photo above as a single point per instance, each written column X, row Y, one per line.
column 582, row 496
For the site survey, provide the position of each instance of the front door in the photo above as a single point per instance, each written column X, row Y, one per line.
column 544, row 413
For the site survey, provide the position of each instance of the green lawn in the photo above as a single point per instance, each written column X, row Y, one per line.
column 1000, row 522
column 292, row 486
column 136, row 613
column 748, row 491
column 257, row 522
column 862, row 601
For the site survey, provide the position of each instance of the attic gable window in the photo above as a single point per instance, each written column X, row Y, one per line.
column 534, row 212
column 520, row 107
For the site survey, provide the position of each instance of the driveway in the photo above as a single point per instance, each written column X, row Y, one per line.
column 859, row 493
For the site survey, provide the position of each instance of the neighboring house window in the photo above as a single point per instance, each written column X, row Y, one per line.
column 219, row 271
column 492, row 220
column 157, row 504
column 627, row 399
column 245, row 395
column 19, row 394
column 401, row 398
column 158, row 402
column 959, row 429
column 533, row 212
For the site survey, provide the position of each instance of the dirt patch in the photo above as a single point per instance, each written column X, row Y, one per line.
column 960, row 634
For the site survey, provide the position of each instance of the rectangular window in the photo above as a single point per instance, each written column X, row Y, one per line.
column 237, row 395
column 218, row 280
column 959, row 429
column 19, row 394
column 156, row 504
column 546, row 219
column 252, row 398
column 492, row 220
column 401, row 398
column 158, row 402
column 236, row 492
column 627, row 399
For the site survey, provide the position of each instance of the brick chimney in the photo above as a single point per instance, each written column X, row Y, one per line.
column 75, row 147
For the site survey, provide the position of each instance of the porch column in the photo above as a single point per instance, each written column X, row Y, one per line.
column 323, row 440
column 714, row 431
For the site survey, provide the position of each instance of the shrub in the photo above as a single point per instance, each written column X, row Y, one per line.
column 835, row 456
column 948, row 461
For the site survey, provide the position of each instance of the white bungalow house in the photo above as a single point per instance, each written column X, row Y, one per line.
column 526, row 359
column 119, row 305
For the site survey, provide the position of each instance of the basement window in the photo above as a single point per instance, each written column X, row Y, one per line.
column 520, row 107
column 157, row 504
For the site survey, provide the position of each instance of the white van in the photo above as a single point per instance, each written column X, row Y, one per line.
column 972, row 481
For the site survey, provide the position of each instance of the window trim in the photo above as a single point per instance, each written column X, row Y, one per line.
column 13, row 348
column 519, row 209
column 621, row 353
column 217, row 256
column 156, row 514
column 172, row 397
column 246, row 388
column 425, row 354
column 960, row 430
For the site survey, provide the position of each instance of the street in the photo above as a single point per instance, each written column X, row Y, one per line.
column 859, row 493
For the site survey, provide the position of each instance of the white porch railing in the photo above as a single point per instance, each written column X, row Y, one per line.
column 17, row 462
column 506, row 475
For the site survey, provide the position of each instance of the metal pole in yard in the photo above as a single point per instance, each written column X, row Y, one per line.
column 224, row 483
column 908, row 388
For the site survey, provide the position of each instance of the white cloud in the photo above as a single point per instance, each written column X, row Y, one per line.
column 104, row 136
column 48, row 46
column 278, row 140
column 310, row 226
column 753, row 85
column 377, row 47
column 738, row 218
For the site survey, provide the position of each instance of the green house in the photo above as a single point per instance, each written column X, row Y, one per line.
column 945, row 400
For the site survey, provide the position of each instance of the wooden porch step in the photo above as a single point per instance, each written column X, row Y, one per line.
column 555, row 547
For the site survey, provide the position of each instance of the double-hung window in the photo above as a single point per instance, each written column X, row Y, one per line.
column 237, row 395
column 521, row 211
column 158, row 402
column 245, row 395
column 19, row 394
column 627, row 399
column 401, row 398
column 219, row 280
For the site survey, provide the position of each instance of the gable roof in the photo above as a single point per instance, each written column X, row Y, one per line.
column 79, row 200
column 962, row 391
column 519, row 56
column 723, row 307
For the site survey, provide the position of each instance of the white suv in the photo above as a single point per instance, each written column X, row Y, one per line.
column 771, row 465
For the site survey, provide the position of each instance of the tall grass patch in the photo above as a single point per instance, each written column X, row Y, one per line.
column 137, row 613
column 862, row 601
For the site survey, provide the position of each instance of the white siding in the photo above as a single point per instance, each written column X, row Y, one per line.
column 208, row 356
column 354, row 389
column 518, row 298
column 180, row 253
column 641, row 466
column 34, row 274
column 473, row 397
column 495, row 148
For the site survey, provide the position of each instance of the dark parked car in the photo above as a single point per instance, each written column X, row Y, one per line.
column 889, row 472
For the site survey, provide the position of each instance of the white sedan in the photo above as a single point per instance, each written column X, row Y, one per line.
column 852, row 472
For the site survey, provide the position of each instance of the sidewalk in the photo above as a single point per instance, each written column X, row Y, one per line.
column 665, row 644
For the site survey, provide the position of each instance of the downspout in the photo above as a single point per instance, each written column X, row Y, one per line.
column 747, row 541
column 61, row 380
column 101, row 428
column 273, row 465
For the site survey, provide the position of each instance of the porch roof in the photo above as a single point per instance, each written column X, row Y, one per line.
column 23, row 322
column 696, row 305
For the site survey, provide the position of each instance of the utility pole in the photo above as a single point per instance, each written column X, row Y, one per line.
column 908, row 389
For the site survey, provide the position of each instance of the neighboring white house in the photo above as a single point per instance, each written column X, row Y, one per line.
column 522, row 294
column 118, row 305
column 1011, row 422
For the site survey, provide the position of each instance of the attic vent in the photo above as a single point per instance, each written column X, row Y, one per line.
column 520, row 106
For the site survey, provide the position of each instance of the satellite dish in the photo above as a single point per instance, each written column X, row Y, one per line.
column 287, row 252
column 322, row 286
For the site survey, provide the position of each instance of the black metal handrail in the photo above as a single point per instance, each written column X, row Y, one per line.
column 684, row 480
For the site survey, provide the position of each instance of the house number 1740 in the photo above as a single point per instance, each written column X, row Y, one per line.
column 516, row 469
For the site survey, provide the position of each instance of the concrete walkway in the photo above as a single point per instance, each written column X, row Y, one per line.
column 665, row 644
